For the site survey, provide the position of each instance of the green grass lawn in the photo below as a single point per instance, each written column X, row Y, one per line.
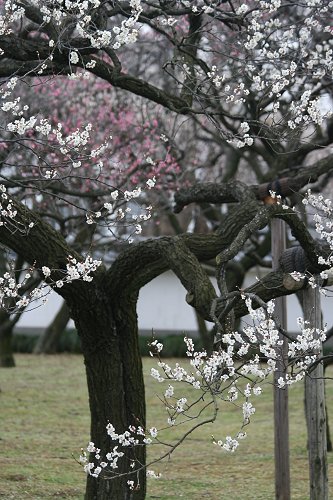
column 44, row 420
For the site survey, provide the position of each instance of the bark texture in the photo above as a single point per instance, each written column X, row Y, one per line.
column 6, row 350
column 115, row 385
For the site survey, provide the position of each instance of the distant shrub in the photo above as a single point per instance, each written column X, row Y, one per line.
column 24, row 343
column 174, row 346
column 70, row 342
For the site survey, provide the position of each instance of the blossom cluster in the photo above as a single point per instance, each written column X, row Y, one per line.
column 323, row 219
column 16, row 295
column 13, row 12
column 82, row 13
column 70, row 154
column 11, row 297
column 233, row 374
column 7, row 210
column 275, row 57
column 111, row 213
column 97, row 465
column 75, row 270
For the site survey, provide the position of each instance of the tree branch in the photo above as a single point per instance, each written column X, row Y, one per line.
column 225, row 193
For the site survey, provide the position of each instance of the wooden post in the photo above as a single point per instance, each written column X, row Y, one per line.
column 281, row 421
column 315, row 406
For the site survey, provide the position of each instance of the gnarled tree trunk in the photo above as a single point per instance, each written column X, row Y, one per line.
column 108, row 332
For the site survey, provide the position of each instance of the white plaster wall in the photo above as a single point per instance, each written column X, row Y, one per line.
column 162, row 306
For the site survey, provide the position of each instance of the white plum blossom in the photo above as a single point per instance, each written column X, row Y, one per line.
column 151, row 183
column 153, row 432
column 73, row 57
column 46, row 271
column 10, row 288
column 156, row 374
column 169, row 392
column 152, row 474
column 216, row 375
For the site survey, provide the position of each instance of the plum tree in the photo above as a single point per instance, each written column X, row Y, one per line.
column 249, row 84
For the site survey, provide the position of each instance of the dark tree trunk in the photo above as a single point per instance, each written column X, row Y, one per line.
column 328, row 434
column 48, row 342
column 108, row 333
column 6, row 348
column 6, row 339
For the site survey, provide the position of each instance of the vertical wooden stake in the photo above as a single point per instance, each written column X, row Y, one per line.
column 315, row 407
column 281, row 420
